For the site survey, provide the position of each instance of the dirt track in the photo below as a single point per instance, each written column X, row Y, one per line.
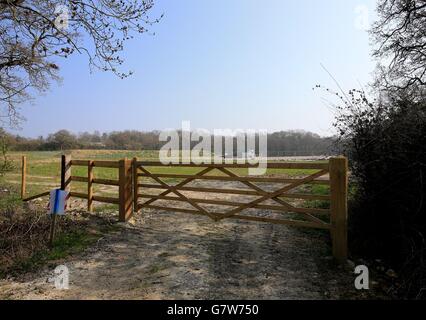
column 177, row 256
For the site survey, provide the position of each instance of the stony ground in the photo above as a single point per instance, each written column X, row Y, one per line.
column 164, row 255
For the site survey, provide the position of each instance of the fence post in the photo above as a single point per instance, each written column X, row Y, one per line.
column 65, row 185
column 339, row 207
column 66, row 172
column 23, row 176
column 135, row 184
column 125, row 189
column 90, row 185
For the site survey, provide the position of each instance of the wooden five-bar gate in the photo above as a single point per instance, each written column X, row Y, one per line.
column 278, row 194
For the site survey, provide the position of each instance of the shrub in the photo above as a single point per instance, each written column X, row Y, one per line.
column 385, row 141
column 5, row 163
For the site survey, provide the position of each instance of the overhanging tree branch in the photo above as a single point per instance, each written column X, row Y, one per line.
column 31, row 41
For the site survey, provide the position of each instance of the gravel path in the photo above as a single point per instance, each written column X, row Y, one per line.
column 165, row 255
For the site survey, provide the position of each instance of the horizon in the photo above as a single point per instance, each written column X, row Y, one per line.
column 46, row 136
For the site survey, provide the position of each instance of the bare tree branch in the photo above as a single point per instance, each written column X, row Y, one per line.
column 36, row 34
column 400, row 36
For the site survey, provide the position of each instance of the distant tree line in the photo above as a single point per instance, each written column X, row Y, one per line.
column 283, row 143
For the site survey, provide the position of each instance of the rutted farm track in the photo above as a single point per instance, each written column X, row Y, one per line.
column 164, row 255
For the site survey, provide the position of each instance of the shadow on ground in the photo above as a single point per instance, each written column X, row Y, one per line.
column 165, row 255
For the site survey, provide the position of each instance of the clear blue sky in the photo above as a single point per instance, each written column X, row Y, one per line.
column 220, row 64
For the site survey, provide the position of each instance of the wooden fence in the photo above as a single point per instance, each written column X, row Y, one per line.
column 130, row 172
column 124, row 183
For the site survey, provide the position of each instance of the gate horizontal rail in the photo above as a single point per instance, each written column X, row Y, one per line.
column 222, row 178
column 237, row 204
column 270, row 165
column 248, row 218
column 239, row 191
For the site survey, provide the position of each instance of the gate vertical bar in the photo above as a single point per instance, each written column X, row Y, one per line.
column 125, row 189
column 135, row 184
column 339, row 207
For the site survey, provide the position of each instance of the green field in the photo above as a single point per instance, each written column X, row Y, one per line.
column 43, row 170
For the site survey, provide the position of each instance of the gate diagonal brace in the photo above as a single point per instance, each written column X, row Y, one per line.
column 274, row 194
column 180, row 184
column 285, row 204
column 180, row 195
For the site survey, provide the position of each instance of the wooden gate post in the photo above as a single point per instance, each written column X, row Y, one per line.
column 339, row 207
column 66, row 173
column 23, row 177
column 125, row 189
